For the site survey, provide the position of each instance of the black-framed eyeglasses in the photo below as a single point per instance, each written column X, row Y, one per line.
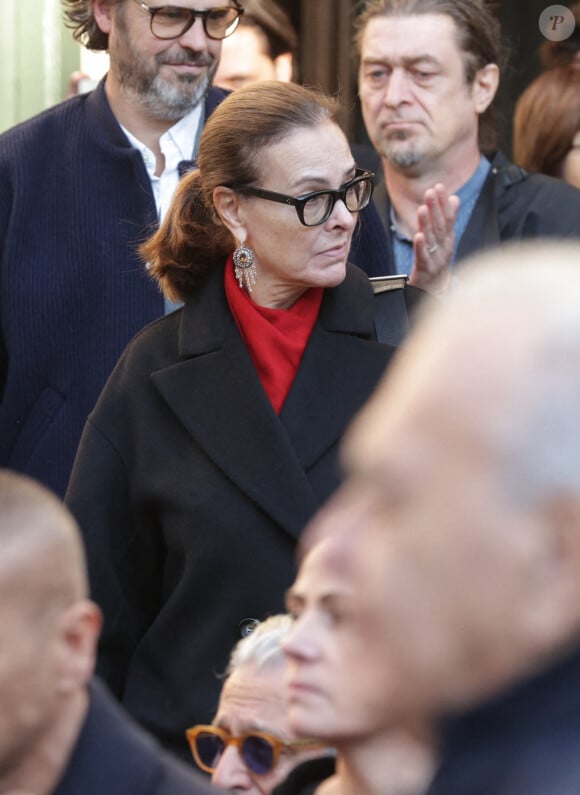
column 171, row 22
column 259, row 751
column 315, row 208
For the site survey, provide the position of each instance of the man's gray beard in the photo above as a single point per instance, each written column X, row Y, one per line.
column 401, row 158
column 165, row 101
column 171, row 102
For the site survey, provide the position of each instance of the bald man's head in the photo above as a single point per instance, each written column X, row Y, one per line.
column 48, row 635
column 41, row 556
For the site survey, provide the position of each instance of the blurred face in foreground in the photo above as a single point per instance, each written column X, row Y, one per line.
column 465, row 579
column 29, row 673
column 48, row 637
column 335, row 667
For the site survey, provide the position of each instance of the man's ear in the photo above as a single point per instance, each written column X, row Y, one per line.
column 555, row 613
column 228, row 206
column 79, row 629
column 485, row 87
column 284, row 67
column 103, row 11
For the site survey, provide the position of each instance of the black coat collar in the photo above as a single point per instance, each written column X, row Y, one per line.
column 215, row 391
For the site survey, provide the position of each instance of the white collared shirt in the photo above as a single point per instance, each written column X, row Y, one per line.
column 178, row 143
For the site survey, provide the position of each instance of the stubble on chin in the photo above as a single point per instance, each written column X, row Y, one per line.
column 400, row 152
column 172, row 102
column 164, row 99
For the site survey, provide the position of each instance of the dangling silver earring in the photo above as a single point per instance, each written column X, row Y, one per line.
column 245, row 268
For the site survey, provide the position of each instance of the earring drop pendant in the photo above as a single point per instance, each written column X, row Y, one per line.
column 244, row 267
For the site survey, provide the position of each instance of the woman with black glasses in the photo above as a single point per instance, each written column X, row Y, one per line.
column 216, row 437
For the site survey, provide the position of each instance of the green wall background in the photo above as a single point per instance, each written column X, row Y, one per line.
column 37, row 55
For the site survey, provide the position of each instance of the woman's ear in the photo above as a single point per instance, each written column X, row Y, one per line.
column 227, row 206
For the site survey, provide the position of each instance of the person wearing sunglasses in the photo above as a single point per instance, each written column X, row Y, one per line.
column 80, row 186
column 217, row 434
column 249, row 746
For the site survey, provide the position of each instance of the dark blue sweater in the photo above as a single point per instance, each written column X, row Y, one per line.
column 75, row 201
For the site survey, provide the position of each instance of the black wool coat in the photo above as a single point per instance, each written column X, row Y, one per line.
column 191, row 492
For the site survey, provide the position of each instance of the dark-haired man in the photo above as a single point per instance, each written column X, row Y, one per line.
column 428, row 75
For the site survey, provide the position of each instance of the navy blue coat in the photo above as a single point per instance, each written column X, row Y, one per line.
column 75, row 201
column 113, row 756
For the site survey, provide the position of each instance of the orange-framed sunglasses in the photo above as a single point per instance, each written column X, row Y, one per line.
column 259, row 751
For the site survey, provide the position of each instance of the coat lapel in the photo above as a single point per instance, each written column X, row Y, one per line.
column 216, row 393
column 324, row 398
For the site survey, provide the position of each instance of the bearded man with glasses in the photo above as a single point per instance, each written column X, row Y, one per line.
column 80, row 187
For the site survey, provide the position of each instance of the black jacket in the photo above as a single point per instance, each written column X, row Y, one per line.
column 307, row 776
column 191, row 492
column 512, row 205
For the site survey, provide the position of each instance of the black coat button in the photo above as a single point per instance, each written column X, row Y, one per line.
column 247, row 626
